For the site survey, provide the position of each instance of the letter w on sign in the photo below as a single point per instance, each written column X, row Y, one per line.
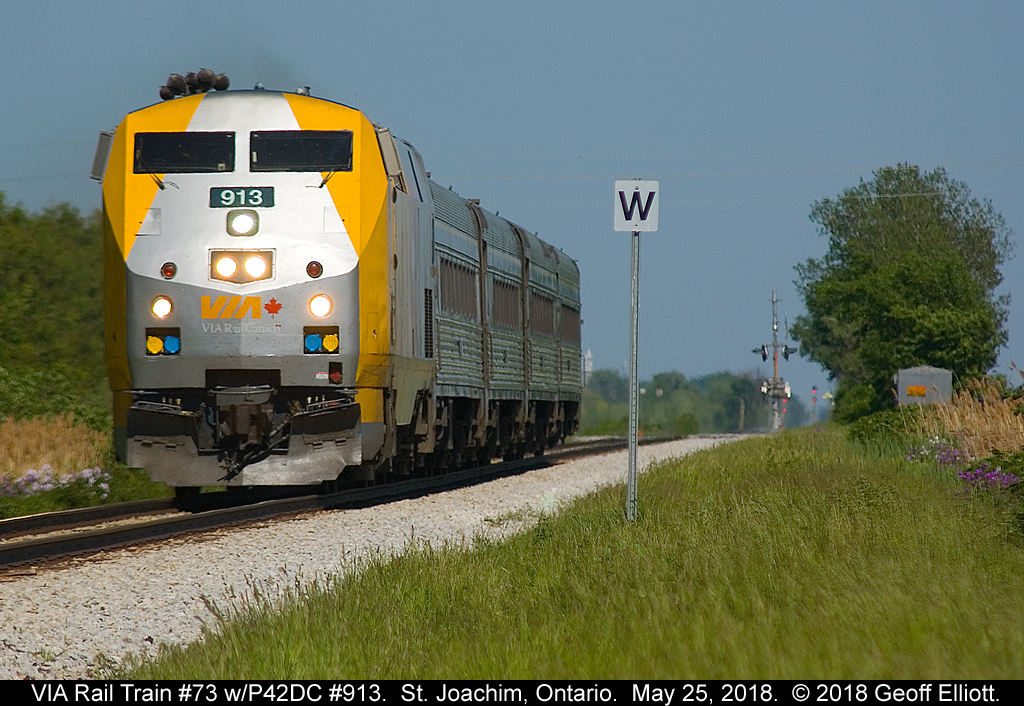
column 636, row 205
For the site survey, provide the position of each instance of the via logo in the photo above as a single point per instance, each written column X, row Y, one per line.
column 233, row 307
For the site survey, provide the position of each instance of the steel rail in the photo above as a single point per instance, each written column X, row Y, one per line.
column 53, row 547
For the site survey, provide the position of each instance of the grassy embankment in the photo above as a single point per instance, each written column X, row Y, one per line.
column 798, row 555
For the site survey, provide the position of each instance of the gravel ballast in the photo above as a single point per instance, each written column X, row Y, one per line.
column 55, row 622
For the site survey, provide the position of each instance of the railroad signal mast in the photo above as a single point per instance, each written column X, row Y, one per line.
column 775, row 387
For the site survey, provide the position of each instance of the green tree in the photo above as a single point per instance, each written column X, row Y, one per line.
column 673, row 404
column 908, row 279
column 726, row 394
column 612, row 386
column 51, row 312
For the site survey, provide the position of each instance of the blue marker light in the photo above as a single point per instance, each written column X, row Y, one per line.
column 314, row 342
column 172, row 344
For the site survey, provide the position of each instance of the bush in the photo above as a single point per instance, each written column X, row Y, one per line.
column 852, row 403
column 686, row 424
column 887, row 425
column 26, row 393
column 608, row 427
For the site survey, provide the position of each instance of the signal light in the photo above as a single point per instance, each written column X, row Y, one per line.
column 168, row 270
column 314, row 269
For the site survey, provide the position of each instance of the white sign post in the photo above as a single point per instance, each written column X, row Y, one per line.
column 636, row 210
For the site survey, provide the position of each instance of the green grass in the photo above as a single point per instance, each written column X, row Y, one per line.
column 800, row 555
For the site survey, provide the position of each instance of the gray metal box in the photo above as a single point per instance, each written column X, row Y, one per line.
column 924, row 385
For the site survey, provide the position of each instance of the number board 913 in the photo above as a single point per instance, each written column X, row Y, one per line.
column 235, row 197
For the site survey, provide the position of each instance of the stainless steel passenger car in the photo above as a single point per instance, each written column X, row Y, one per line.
column 290, row 299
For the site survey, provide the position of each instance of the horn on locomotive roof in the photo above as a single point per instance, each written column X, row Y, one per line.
column 204, row 80
column 194, row 82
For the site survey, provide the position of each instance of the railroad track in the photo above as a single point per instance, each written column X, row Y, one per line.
column 217, row 512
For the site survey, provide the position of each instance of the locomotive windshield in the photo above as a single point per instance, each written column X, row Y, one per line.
column 184, row 152
column 301, row 151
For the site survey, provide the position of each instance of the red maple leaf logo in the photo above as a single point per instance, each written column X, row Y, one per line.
column 272, row 307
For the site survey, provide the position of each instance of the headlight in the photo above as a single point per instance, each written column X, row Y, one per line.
column 255, row 266
column 320, row 306
column 245, row 222
column 162, row 307
column 241, row 266
column 225, row 266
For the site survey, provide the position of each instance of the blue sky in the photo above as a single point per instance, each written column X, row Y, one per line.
column 745, row 112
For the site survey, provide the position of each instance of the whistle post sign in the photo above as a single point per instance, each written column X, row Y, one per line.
column 636, row 206
column 636, row 210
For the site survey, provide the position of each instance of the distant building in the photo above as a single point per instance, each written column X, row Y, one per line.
column 924, row 385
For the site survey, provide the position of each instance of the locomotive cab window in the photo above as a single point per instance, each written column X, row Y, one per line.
column 300, row 151
column 184, row 152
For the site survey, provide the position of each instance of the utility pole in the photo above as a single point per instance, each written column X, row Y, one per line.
column 775, row 387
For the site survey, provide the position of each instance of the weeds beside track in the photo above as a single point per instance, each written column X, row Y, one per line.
column 799, row 555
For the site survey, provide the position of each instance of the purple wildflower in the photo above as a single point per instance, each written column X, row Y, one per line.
column 45, row 479
column 986, row 477
column 943, row 453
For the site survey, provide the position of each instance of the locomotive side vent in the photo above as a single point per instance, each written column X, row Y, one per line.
column 428, row 323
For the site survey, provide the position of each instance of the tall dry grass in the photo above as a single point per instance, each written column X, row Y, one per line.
column 979, row 418
column 57, row 441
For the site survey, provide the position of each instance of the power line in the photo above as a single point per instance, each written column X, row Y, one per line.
column 43, row 177
column 737, row 157
column 704, row 175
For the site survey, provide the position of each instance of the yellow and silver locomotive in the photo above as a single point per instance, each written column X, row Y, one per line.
column 291, row 300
